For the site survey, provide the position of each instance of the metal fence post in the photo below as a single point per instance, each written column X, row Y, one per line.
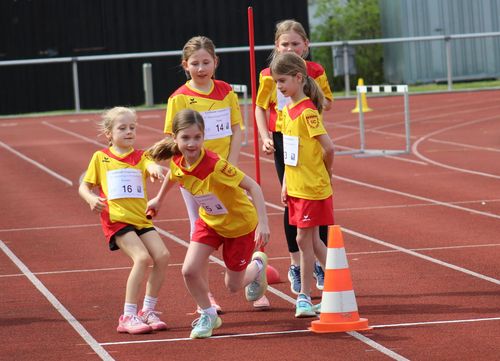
column 147, row 75
column 347, row 81
column 76, row 89
column 447, row 42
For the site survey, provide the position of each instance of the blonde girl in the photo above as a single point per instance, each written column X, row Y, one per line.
column 308, row 158
column 290, row 36
column 227, row 217
column 215, row 101
column 120, row 172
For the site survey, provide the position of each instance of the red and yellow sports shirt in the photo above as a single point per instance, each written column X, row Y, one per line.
column 267, row 95
column 214, row 183
column 220, row 110
column 309, row 179
column 121, row 179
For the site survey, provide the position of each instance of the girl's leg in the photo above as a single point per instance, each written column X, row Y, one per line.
column 192, row 209
column 235, row 281
column 160, row 255
column 132, row 246
column 305, row 237
column 194, row 272
column 320, row 249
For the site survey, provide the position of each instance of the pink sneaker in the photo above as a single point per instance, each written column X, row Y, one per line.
column 133, row 325
column 151, row 318
column 213, row 302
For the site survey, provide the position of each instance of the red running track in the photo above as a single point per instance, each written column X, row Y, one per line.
column 421, row 234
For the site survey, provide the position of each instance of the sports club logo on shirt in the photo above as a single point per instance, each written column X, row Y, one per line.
column 228, row 170
column 312, row 120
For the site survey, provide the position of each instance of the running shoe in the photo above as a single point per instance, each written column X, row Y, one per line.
column 151, row 318
column 294, row 278
column 204, row 325
column 132, row 324
column 319, row 275
column 258, row 287
column 304, row 307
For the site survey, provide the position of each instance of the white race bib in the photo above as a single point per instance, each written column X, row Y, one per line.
column 125, row 183
column 290, row 150
column 211, row 204
column 282, row 100
column 217, row 123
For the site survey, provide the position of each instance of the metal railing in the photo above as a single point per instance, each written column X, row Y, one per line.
column 75, row 60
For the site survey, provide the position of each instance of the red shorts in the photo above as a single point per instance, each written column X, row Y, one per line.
column 305, row 213
column 236, row 252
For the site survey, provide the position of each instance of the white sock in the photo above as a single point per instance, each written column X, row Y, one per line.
column 149, row 303
column 211, row 311
column 130, row 309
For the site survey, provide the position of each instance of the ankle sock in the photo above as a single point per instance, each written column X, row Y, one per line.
column 149, row 303
column 129, row 309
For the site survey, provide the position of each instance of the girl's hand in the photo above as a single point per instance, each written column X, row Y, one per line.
column 97, row 204
column 268, row 146
column 156, row 172
column 154, row 204
column 284, row 195
column 262, row 234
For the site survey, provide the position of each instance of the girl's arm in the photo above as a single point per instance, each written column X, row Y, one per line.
column 234, row 150
column 155, row 171
column 261, row 119
column 283, row 191
column 154, row 203
column 327, row 104
column 328, row 152
column 262, row 230
column 96, row 203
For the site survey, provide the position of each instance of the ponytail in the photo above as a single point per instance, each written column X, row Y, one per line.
column 313, row 91
column 164, row 149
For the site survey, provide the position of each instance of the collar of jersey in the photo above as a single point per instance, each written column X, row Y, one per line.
column 119, row 155
column 195, row 164
column 199, row 91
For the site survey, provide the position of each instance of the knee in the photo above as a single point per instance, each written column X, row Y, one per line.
column 189, row 272
column 142, row 260
column 162, row 258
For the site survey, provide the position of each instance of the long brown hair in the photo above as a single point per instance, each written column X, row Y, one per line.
column 291, row 64
column 166, row 148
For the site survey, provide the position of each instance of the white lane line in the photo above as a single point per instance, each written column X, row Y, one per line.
column 458, row 247
column 377, row 346
column 76, row 135
column 98, row 349
column 418, row 255
column 425, row 199
column 36, row 164
column 270, row 333
column 462, row 170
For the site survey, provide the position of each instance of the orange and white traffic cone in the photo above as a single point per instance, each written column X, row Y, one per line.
column 339, row 310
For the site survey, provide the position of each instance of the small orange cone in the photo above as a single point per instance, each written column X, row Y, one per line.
column 364, row 103
column 273, row 275
column 339, row 310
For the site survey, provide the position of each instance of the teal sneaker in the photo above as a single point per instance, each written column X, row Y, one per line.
column 258, row 287
column 204, row 325
column 319, row 276
column 304, row 307
column 317, row 308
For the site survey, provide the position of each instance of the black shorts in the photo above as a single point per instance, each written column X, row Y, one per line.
column 112, row 242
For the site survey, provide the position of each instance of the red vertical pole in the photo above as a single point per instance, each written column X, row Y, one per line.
column 253, row 76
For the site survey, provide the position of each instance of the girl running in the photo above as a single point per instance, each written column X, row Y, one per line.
column 120, row 173
column 227, row 217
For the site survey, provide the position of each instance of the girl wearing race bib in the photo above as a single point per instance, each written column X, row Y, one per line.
column 215, row 101
column 290, row 36
column 227, row 217
column 308, row 157
column 120, row 172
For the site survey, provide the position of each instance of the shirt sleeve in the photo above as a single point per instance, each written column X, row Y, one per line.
column 175, row 103
column 227, row 174
column 264, row 94
column 313, row 122
column 322, row 81
column 235, row 109
column 92, row 173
